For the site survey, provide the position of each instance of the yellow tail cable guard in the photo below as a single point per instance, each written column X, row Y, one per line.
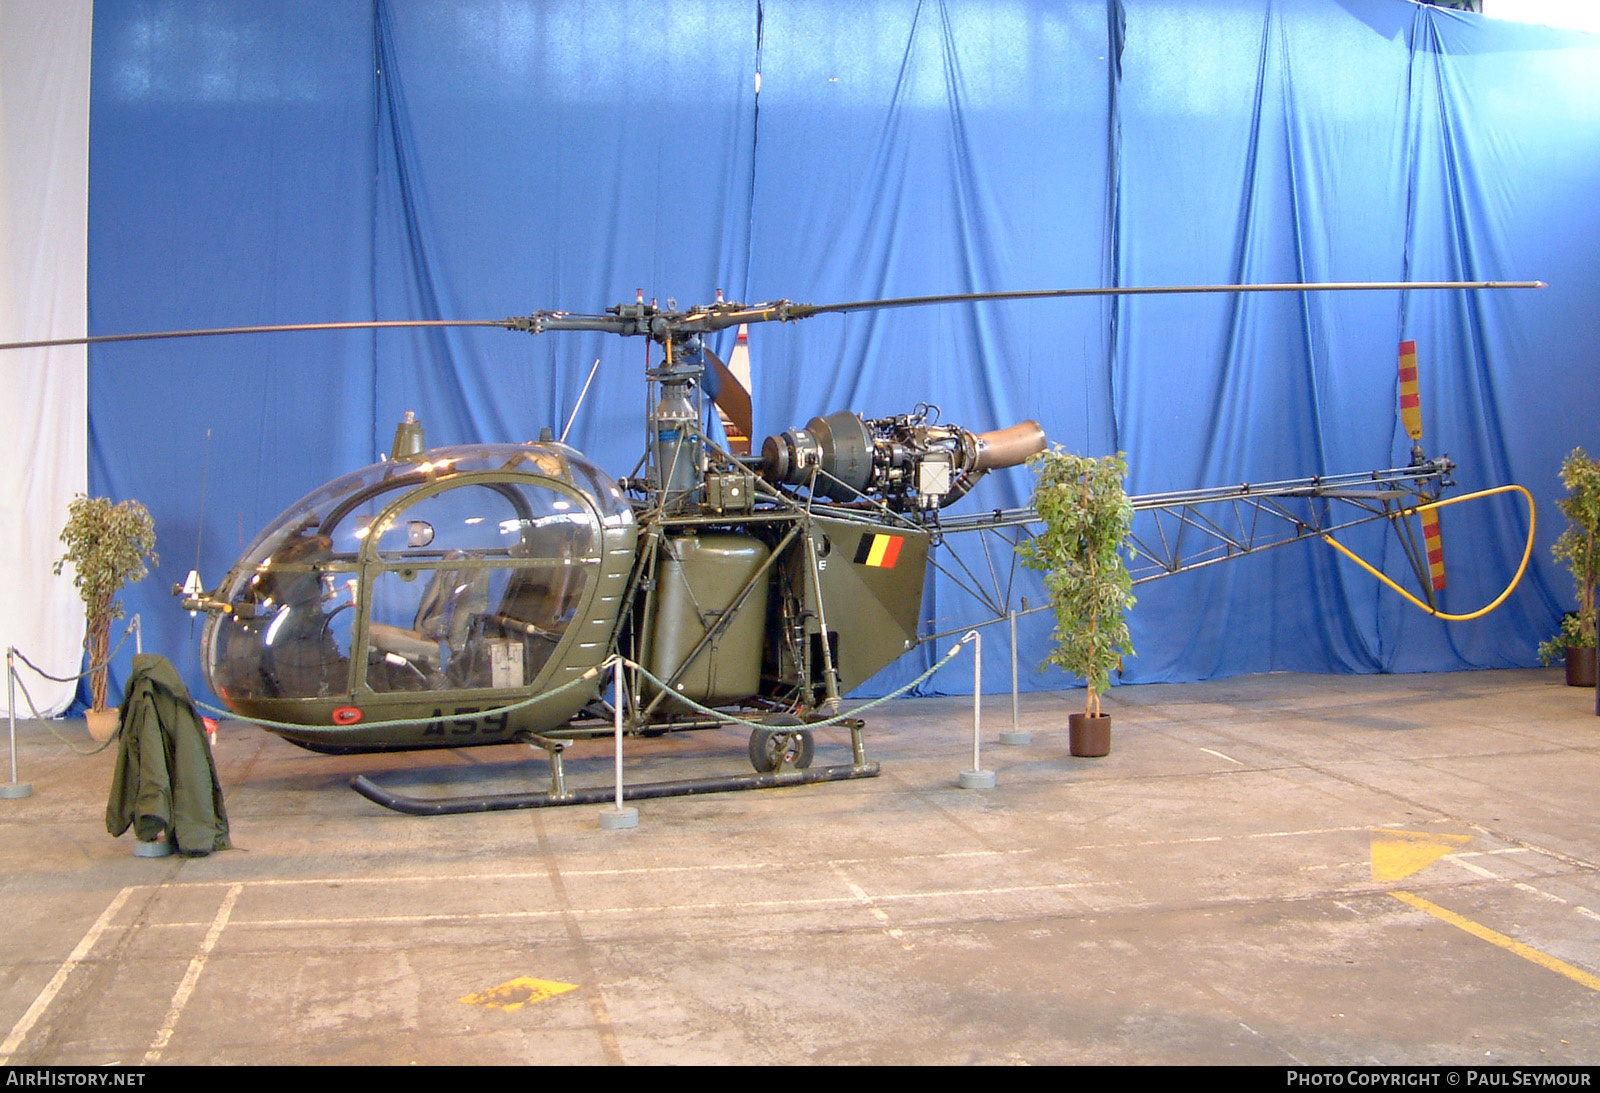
column 1527, row 553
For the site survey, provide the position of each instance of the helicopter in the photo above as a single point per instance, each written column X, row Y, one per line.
column 471, row 595
column 442, row 583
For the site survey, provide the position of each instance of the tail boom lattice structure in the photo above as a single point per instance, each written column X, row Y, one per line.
column 1190, row 529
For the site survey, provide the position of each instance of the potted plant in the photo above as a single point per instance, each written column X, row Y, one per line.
column 1086, row 513
column 1578, row 548
column 108, row 546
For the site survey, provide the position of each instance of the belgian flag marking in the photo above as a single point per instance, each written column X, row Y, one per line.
column 879, row 551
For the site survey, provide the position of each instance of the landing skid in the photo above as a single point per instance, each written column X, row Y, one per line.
column 559, row 794
column 689, row 787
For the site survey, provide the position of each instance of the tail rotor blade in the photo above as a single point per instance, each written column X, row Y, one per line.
column 1410, row 396
column 1433, row 542
column 1411, row 419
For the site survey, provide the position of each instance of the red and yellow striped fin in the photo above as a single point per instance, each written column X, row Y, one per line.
column 1410, row 397
column 1433, row 541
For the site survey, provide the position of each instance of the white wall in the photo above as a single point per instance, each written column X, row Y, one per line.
column 1571, row 14
column 44, row 222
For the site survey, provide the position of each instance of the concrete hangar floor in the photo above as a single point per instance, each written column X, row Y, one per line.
column 1276, row 869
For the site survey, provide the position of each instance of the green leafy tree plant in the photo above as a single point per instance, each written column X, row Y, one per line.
column 1087, row 515
column 1578, row 548
column 108, row 546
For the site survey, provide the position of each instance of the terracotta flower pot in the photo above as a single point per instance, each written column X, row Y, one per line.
column 1580, row 665
column 1089, row 737
column 102, row 723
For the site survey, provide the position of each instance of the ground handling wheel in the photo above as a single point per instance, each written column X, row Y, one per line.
column 781, row 742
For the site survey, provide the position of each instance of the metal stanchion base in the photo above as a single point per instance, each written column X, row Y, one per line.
column 158, row 849
column 16, row 789
column 1021, row 736
column 976, row 779
column 619, row 819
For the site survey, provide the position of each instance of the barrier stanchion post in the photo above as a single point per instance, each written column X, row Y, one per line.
column 977, row 777
column 618, row 817
column 1016, row 734
column 13, row 788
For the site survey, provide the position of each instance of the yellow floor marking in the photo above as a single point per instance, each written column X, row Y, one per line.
column 513, row 995
column 1398, row 854
column 1494, row 937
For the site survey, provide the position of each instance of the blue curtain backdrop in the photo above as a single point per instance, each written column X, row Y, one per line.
column 293, row 162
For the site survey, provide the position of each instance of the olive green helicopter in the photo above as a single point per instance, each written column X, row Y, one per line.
column 478, row 594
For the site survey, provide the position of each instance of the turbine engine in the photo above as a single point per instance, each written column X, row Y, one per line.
column 909, row 462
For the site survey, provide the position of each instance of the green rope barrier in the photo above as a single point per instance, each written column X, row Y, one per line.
column 71, row 746
column 592, row 673
column 824, row 723
column 45, row 721
column 496, row 711
column 92, row 667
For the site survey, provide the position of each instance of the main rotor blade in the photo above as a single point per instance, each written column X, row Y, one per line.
column 101, row 339
column 637, row 319
column 805, row 311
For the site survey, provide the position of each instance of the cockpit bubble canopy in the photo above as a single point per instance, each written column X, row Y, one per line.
column 461, row 569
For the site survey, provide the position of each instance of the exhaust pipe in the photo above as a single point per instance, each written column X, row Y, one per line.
column 1009, row 447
